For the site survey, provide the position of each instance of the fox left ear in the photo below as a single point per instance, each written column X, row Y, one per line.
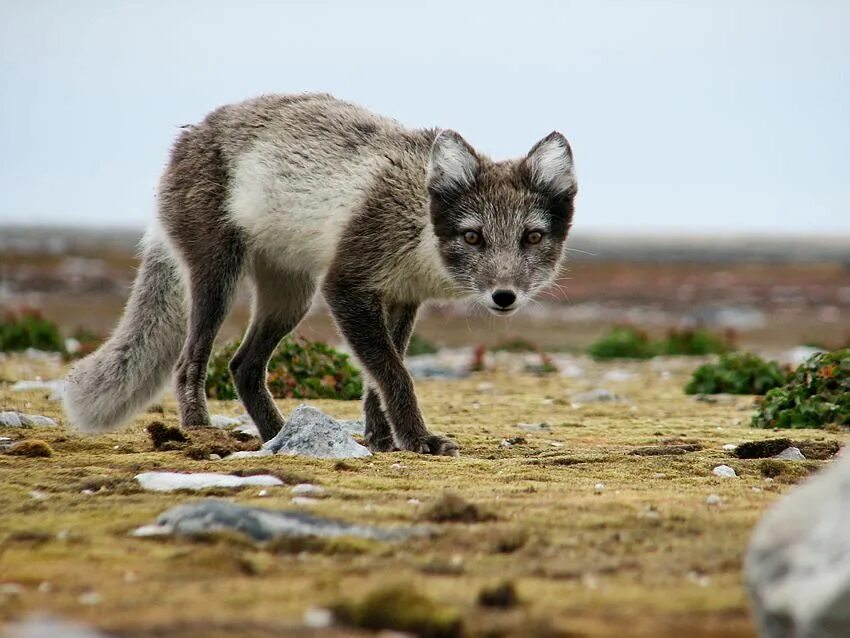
column 550, row 165
column 453, row 166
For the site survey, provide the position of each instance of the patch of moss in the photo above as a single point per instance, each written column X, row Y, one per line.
column 451, row 508
column 420, row 345
column 736, row 373
column 298, row 369
column 623, row 342
column 816, row 395
column 31, row 447
column 29, row 329
column 785, row 471
column 403, row 609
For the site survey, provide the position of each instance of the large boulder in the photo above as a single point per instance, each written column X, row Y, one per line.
column 798, row 562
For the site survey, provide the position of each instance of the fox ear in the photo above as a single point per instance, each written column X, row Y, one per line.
column 550, row 165
column 453, row 166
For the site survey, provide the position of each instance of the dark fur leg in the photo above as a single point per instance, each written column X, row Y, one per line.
column 280, row 302
column 211, row 286
column 360, row 315
column 379, row 435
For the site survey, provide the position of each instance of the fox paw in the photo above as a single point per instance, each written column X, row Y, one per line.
column 438, row 446
column 383, row 444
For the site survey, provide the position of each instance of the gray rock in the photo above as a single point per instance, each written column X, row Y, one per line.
column 11, row 419
column 171, row 481
column 263, row 524
column 798, row 562
column 724, row 471
column 310, row 432
column 790, row 454
column 18, row 420
column 40, row 626
column 55, row 387
column 600, row 395
column 242, row 424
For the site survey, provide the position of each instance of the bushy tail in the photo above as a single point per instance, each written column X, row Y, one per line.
column 127, row 372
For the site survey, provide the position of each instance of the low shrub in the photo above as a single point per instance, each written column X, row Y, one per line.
column 29, row 329
column 420, row 345
column 815, row 395
column 298, row 369
column 693, row 342
column 623, row 342
column 736, row 373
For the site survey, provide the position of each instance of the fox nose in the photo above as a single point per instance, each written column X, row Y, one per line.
column 504, row 298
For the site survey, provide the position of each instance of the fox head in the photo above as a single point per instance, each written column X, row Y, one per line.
column 501, row 226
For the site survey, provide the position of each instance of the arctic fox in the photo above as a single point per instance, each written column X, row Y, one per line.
column 307, row 192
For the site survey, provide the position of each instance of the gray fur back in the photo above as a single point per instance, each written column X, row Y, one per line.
column 127, row 372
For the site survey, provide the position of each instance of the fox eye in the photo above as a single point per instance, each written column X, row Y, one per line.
column 534, row 237
column 472, row 238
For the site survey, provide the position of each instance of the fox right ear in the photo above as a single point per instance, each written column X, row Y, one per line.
column 453, row 165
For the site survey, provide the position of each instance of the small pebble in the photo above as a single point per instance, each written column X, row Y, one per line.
column 724, row 471
column 414, row 501
column 90, row 598
column 730, row 447
column 263, row 493
column 599, row 488
column 790, row 454
column 215, row 457
column 713, row 500
column 45, row 587
column 318, row 617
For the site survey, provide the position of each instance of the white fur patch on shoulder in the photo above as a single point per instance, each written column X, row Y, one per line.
column 453, row 164
column 551, row 164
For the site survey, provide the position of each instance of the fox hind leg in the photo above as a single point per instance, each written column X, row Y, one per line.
column 281, row 299
column 211, row 282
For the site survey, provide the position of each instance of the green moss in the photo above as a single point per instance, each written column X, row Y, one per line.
column 29, row 329
column 736, row 373
column 298, row 369
column 420, row 345
column 817, row 394
column 400, row 608
column 623, row 342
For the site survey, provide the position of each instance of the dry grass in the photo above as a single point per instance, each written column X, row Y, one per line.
column 646, row 557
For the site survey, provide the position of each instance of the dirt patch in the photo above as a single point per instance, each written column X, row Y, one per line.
column 162, row 436
column 199, row 443
column 503, row 596
column 812, row 450
column 451, row 508
column 667, row 450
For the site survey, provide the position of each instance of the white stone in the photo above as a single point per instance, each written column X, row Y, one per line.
column 56, row 387
column 318, row 617
column 10, row 419
column 730, row 447
column 171, row 481
column 724, row 471
column 310, row 432
column 249, row 454
column 798, row 562
column 713, row 500
column 599, row 488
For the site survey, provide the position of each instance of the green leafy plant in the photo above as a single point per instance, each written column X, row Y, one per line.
column 29, row 329
column 298, row 369
column 816, row 394
column 623, row 342
column 693, row 342
column 736, row 373
column 420, row 345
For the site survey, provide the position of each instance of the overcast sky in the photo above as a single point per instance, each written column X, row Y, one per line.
column 684, row 116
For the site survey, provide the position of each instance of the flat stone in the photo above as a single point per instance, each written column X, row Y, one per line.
column 249, row 454
column 310, row 432
column 797, row 566
column 534, row 427
column 308, row 489
column 242, row 424
column 171, row 481
column 17, row 420
column 42, row 626
column 262, row 524
column 55, row 387
column 790, row 454
column 599, row 395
